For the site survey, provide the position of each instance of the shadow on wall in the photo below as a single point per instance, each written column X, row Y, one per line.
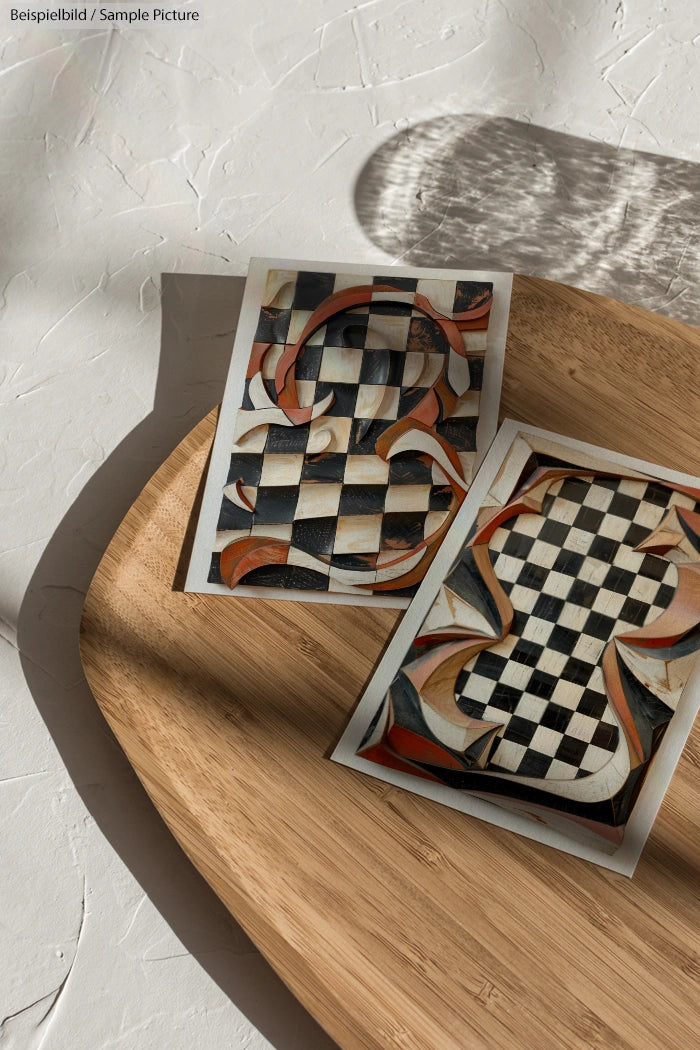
column 490, row 192
column 199, row 321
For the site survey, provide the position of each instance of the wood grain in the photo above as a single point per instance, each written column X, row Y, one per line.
column 397, row 922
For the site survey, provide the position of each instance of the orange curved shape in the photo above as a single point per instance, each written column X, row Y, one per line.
column 346, row 299
column 384, row 756
column 242, row 556
column 418, row 748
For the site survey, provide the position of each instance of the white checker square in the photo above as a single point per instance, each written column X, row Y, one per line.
column 338, row 428
column 524, row 598
column 588, row 648
column 559, row 770
column 609, row 603
column 573, row 616
column 407, row 498
column 557, row 584
column 528, row 525
column 507, row 568
column 531, row 707
column 594, row 571
column 358, row 534
column 545, row 740
column 613, row 528
column 579, row 540
column 281, row 469
column 582, row 727
column 441, row 294
column 598, row 497
column 506, row 647
column 479, row 688
column 537, row 630
column 648, row 515
column 627, row 558
column 340, row 364
column 279, row 289
column 552, row 661
column 515, row 675
column 567, row 694
column 281, row 531
column 563, row 510
column 544, row 554
column 386, row 331
column 318, row 500
column 398, row 296
column 495, row 714
column 306, row 392
column 629, row 487
column 467, row 405
column 366, row 470
column 269, row 364
column 509, row 755
column 297, row 323
column 475, row 343
column 253, row 441
column 377, row 402
column 438, row 475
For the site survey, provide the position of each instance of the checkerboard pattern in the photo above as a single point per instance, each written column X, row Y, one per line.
column 574, row 580
column 379, row 360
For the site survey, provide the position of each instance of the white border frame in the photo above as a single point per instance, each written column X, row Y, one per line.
column 200, row 559
column 625, row 857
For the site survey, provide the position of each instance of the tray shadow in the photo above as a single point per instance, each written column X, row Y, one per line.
column 199, row 316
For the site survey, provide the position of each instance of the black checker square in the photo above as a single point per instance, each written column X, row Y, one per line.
column 382, row 367
column 361, row 499
column 344, row 400
column 403, row 284
column 311, row 289
column 406, row 469
column 245, row 467
column 273, row 325
column 562, row 620
column 402, row 530
column 287, row 439
column 568, row 562
column 526, row 652
column 471, row 294
column 275, row 504
column 562, row 639
column 425, row 337
column 324, row 466
column 308, row 363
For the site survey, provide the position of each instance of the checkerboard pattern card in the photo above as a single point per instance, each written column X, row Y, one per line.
column 547, row 672
column 357, row 409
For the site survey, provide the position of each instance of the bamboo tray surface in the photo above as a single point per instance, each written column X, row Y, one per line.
column 396, row 921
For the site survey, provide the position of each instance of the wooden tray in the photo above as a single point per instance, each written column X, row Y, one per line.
column 397, row 922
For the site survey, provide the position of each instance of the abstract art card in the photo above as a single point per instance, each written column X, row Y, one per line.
column 358, row 406
column 546, row 675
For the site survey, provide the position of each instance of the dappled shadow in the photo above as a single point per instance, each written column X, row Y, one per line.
column 474, row 191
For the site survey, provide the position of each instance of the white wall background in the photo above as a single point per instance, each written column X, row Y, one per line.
column 132, row 152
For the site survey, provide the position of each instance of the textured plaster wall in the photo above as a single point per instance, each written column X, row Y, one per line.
column 129, row 153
